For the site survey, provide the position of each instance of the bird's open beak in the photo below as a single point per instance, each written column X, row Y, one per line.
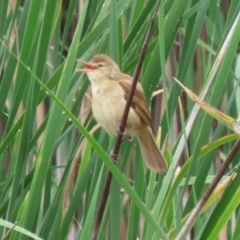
column 88, row 67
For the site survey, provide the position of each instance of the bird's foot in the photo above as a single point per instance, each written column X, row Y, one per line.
column 128, row 137
column 114, row 156
column 124, row 134
column 120, row 132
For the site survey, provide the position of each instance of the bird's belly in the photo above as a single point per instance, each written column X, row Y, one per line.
column 108, row 111
column 104, row 116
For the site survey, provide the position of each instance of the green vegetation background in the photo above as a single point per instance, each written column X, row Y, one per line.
column 51, row 188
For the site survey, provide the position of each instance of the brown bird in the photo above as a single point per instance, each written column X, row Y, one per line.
column 110, row 89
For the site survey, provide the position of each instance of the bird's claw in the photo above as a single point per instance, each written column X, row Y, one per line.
column 114, row 156
column 120, row 131
column 124, row 134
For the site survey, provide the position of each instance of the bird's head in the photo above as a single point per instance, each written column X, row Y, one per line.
column 101, row 67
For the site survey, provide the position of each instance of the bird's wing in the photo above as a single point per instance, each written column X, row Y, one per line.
column 139, row 102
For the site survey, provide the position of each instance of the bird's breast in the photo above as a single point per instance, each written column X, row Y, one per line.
column 108, row 103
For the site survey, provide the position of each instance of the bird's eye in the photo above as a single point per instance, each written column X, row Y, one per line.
column 100, row 65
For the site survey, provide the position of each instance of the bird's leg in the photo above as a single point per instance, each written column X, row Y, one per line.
column 128, row 137
column 120, row 131
column 124, row 134
column 114, row 156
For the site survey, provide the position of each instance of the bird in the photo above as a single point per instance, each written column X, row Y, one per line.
column 110, row 90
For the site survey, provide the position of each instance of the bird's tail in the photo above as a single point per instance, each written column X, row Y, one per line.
column 151, row 153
